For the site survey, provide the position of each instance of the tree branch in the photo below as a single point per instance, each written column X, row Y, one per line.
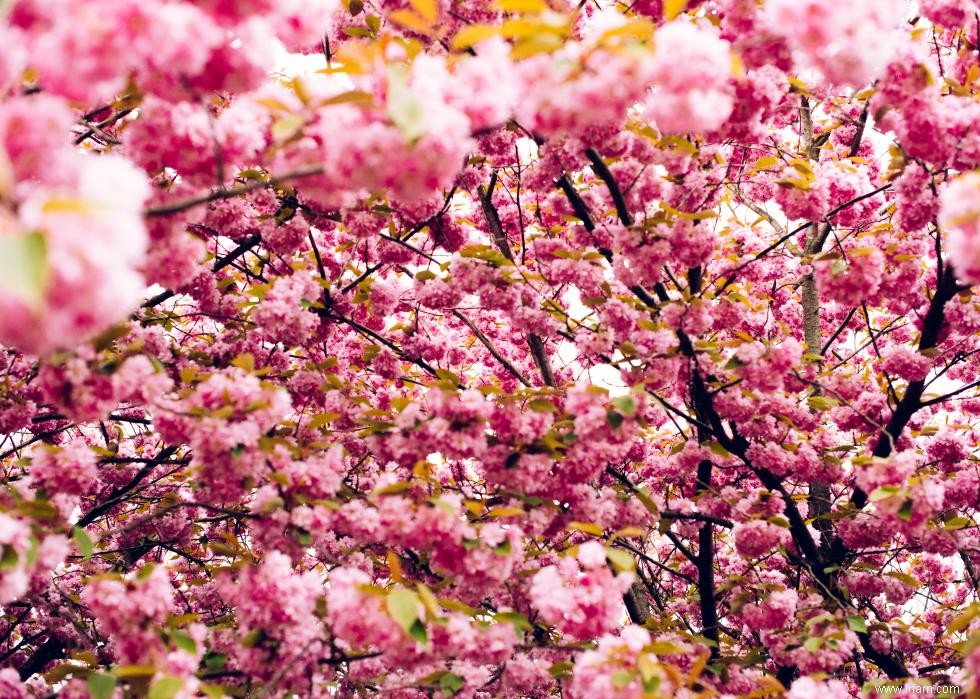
column 230, row 192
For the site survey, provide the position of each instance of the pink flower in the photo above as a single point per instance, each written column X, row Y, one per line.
column 582, row 598
column 853, row 280
column 282, row 315
column 691, row 70
column 774, row 612
column 10, row 685
column 619, row 668
column 759, row 538
column 948, row 13
column 959, row 217
column 809, row 688
column 84, row 241
column 130, row 609
column 850, row 41
column 70, row 469
column 905, row 363
column 487, row 89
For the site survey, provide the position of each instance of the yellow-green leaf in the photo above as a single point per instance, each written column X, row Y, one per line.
column 405, row 109
column 83, row 542
column 672, row 8
column 586, row 527
column 101, row 686
column 24, row 266
column 165, row 688
column 473, row 34
column 521, row 5
column 957, row 523
column 621, row 560
column 428, row 9
column 505, row 512
column 410, row 20
column 286, row 127
column 403, row 606
column 244, row 361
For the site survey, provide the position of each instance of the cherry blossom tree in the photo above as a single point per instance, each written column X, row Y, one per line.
column 489, row 348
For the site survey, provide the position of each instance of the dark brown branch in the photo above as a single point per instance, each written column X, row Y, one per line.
column 600, row 169
column 535, row 343
column 494, row 352
column 52, row 649
column 239, row 250
column 578, row 205
column 119, row 494
column 493, row 218
column 219, row 264
column 231, row 192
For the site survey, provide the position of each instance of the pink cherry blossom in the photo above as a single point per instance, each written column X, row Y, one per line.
column 488, row 349
column 959, row 215
column 690, row 69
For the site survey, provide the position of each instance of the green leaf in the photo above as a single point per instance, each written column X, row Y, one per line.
column 212, row 690
column 734, row 363
column 8, row 559
column 322, row 419
column 626, row 405
column 821, row 402
column 451, row 683
column 403, row 606
column 621, row 678
column 905, row 511
column 284, row 128
column 649, row 672
column 24, row 266
column 101, row 686
column 651, row 684
column 663, row 648
column 779, row 521
column 503, row 549
column 83, row 542
column 858, row 624
column 165, row 688
column 912, row 582
column 614, row 419
column 813, row 644
column 183, row 641
column 33, row 548
column 719, row 450
column 957, row 523
column 134, row 671
column 562, row 669
column 447, row 376
column 963, row 620
column 418, row 632
column 253, row 638
column 105, row 339
column 37, row 509
column 215, row 661
column 473, row 34
column 516, row 618
column 883, row 492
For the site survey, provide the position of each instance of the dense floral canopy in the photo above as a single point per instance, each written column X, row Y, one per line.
column 488, row 348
